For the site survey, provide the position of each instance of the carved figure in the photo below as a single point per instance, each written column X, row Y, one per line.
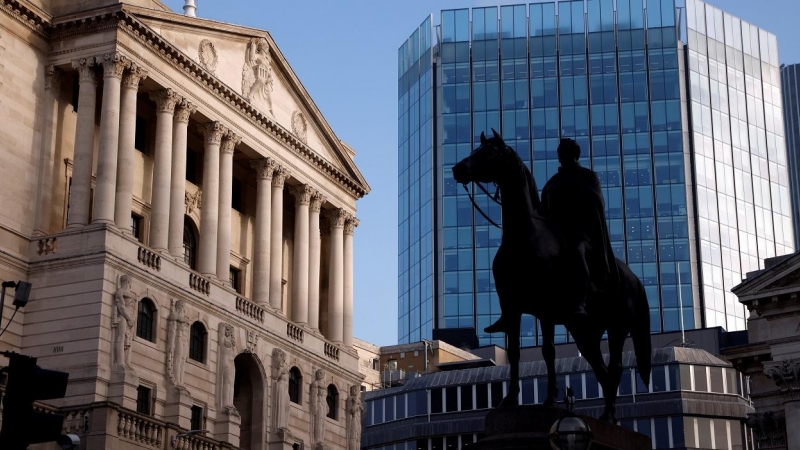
column 208, row 55
column 123, row 321
column 280, row 393
column 257, row 75
column 355, row 407
column 177, row 342
column 530, row 274
column 319, row 406
column 786, row 375
column 226, row 369
column 300, row 126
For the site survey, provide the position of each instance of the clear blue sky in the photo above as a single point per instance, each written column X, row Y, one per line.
column 345, row 53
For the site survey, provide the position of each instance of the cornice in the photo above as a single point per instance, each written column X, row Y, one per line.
column 30, row 16
column 110, row 18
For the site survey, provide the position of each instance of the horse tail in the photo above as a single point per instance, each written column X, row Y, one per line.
column 641, row 333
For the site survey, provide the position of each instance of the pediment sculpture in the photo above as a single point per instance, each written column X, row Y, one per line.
column 300, row 126
column 207, row 55
column 257, row 75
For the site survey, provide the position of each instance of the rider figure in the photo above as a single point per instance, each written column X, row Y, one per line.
column 573, row 201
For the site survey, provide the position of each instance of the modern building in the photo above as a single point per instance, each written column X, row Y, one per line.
column 771, row 357
column 695, row 399
column 790, row 84
column 185, row 215
column 678, row 109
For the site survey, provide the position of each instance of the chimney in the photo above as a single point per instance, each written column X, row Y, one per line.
column 189, row 8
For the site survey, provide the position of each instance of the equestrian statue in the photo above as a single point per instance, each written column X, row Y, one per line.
column 555, row 262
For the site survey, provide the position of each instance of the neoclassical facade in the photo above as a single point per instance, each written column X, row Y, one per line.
column 186, row 217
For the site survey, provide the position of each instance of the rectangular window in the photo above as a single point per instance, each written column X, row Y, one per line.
column 234, row 278
column 481, row 396
column 237, row 200
column 466, row 397
column 497, row 394
column 143, row 399
column 592, row 387
column 197, row 418
column 451, row 399
column 140, row 140
column 136, row 227
column 436, row 401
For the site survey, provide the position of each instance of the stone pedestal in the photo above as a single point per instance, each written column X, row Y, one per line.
column 178, row 409
column 528, row 427
column 281, row 439
column 792, row 409
column 226, row 428
column 122, row 389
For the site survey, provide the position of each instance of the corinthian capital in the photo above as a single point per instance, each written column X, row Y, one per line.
column 317, row 199
column 786, row 375
column 279, row 176
column 336, row 217
column 52, row 76
column 165, row 99
column 133, row 76
column 86, row 69
column 183, row 110
column 350, row 224
column 230, row 141
column 113, row 65
column 264, row 168
column 213, row 132
column 302, row 194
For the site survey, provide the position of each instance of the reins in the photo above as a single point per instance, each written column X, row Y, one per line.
column 495, row 198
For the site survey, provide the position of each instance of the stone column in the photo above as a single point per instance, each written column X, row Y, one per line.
column 127, row 142
column 337, row 219
column 81, row 189
column 105, row 191
column 264, row 168
column 44, row 193
column 349, row 228
column 314, row 245
column 177, row 191
column 165, row 99
column 276, row 239
column 302, row 196
column 207, row 254
column 225, row 204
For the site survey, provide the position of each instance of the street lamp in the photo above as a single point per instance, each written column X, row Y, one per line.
column 570, row 432
column 21, row 293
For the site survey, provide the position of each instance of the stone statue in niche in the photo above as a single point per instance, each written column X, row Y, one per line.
column 354, row 408
column 177, row 342
column 257, row 75
column 207, row 55
column 123, row 319
column 280, row 394
column 226, row 371
column 319, row 406
column 300, row 126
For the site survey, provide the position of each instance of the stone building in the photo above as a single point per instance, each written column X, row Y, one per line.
column 772, row 355
column 186, row 217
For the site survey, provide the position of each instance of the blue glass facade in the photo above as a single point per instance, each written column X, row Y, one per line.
column 790, row 82
column 612, row 75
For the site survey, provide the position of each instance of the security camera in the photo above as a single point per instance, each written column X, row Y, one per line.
column 68, row 441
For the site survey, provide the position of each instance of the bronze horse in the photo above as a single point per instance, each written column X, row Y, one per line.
column 529, row 275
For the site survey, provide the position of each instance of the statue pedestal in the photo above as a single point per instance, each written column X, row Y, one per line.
column 122, row 389
column 179, row 407
column 528, row 427
column 281, row 439
column 226, row 429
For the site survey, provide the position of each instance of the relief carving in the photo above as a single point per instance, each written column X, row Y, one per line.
column 769, row 429
column 786, row 375
column 252, row 342
column 354, row 408
column 257, row 75
column 280, row 393
column 193, row 201
column 300, row 126
column 123, row 319
column 226, row 371
column 319, row 406
column 177, row 342
column 207, row 55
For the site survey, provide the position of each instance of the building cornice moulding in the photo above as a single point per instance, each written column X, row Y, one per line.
column 27, row 14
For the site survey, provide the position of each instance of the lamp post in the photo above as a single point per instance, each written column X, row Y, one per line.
column 570, row 432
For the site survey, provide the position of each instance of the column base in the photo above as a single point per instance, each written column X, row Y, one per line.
column 109, row 222
column 226, row 428
column 282, row 439
column 123, row 387
column 179, row 407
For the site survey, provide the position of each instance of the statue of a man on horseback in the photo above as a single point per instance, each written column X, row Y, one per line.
column 573, row 201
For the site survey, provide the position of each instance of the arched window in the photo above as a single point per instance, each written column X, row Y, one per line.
column 197, row 342
column 333, row 402
column 146, row 319
column 295, row 384
column 189, row 243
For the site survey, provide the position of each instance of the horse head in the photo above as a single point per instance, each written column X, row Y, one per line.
column 486, row 163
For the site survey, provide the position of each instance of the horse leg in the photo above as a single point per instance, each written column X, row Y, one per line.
column 616, row 341
column 513, row 352
column 587, row 339
column 549, row 354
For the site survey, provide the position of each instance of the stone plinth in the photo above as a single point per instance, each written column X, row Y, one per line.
column 227, row 426
column 528, row 427
column 280, row 439
column 179, row 407
column 123, row 387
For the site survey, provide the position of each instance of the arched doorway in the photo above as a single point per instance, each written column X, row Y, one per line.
column 249, row 393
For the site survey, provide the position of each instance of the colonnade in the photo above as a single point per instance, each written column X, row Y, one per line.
column 114, row 193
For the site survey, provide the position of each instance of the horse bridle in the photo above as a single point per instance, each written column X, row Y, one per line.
column 495, row 198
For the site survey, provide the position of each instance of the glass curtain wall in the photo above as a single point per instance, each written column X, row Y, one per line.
column 790, row 80
column 416, row 195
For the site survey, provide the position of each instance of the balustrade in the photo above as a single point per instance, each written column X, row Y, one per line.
column 295, row 332
column 331, row 351
column 250, row 309
column 200, row 284
column 149, row 258
column 139, row 428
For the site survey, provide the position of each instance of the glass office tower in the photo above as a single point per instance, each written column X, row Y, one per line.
column 790, row 82
column 677, row 108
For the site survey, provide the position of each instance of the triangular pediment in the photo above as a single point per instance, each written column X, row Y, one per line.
column 782, row 278
column 248, row 62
